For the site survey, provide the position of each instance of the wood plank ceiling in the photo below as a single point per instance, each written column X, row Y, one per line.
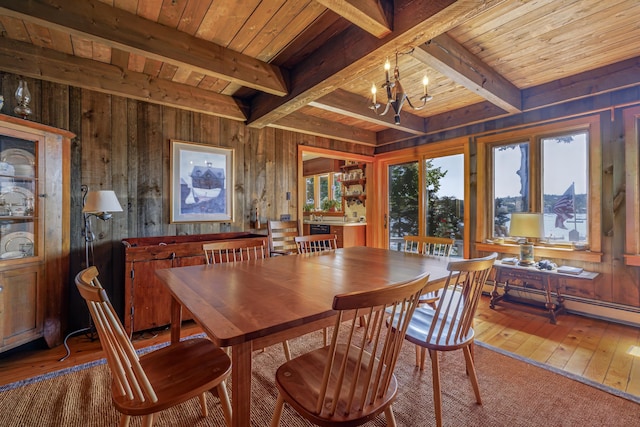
column 308, row 65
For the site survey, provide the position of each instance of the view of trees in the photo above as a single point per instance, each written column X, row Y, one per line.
column 444, row 218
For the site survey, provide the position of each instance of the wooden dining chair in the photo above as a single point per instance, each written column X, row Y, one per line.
column 316, row 243
column 351, row 381
column 238, row 251
column 450, row 326
column 144, row 385
column 281, row 237
column 429, row 246
column 234, row 251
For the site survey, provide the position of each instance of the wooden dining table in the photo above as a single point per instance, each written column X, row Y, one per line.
column 253, row 304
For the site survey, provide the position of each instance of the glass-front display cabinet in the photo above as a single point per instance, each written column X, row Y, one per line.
column 34, row 231
column 18, row 191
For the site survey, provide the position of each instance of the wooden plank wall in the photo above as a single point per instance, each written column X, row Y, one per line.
column 124, row 145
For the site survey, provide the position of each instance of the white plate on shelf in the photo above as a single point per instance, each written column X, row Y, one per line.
column 19, row 241
column 12, row 255
column 21, row 160
column 16, row 196
column 17, row 156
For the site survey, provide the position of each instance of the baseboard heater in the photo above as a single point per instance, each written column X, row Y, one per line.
column 602, row 310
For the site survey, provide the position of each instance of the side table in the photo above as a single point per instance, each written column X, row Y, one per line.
column 529, row 279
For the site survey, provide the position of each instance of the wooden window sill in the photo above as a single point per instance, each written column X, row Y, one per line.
column 546, row 252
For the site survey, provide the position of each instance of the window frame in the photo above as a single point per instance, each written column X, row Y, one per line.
column 534, row 136
column 631, row 120
column 331, row 179
column 419, row 154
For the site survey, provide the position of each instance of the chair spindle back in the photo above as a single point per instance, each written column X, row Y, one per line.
column 122, row 358
column 234, row 251
column 459, row 299
column 316, row 243
column 356, row 390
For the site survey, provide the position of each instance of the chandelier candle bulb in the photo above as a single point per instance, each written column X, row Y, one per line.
column 387, row 67
column 373, row 92
column 425, row 82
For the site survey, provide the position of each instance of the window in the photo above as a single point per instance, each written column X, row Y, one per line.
column 310, row 198
column 553, row 170
column 323, row 188
column 336, row 187
column 444, row 186
column 425, row 197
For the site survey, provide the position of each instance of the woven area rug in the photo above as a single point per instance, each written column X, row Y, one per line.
column 515, row 393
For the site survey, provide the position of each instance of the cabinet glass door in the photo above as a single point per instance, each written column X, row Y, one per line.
column 18, row 206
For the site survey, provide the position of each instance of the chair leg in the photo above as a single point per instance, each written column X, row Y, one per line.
column 124, row 420
column 437, row 397
column 224, row 402
column 277, row 411
column 147, row 420
column 471, row 369
column 421, row 353
column 391, row 419
column 203, row 405
column 287, row 352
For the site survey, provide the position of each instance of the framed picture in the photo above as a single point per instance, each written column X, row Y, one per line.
column 201, row 183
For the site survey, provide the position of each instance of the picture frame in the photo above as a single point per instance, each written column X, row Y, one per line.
column 201, row 183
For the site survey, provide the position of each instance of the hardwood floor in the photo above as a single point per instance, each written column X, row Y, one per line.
column 598, row 350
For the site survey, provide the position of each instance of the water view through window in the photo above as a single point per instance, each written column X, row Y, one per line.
column 563, row 182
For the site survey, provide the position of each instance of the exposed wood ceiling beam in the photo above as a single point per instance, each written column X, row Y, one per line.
column 349, row 104
column 348, row 56
column 116, row 28
column 304, row 123
column 605, row 79
column 366, row 14
column 45, row 64
column 448, row 57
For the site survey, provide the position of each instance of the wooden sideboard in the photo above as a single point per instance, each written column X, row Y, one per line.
column 147, row 302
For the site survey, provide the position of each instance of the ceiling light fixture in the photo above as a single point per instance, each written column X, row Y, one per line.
column 396, row 95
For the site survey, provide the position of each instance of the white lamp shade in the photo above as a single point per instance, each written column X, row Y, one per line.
column 101, row 201
column 526, row 224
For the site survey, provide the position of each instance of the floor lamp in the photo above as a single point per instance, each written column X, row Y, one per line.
column 97, row 204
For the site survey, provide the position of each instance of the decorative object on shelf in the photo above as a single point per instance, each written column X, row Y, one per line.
column 21, row 160
column 1, row 102
column 23, row 97
column 396, row 95
column 527, row 225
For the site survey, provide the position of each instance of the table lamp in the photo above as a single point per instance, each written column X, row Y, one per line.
column 527, row 225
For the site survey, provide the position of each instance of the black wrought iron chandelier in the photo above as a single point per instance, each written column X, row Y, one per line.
column 396, row 95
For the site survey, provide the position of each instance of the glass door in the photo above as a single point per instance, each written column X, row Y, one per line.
column 404, row 204
column 18, row 207
column 444, row 195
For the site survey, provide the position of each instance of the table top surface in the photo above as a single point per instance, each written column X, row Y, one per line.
column 584, row 274
column 238, row 302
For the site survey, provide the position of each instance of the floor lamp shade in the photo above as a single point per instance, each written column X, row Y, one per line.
column 530, row 226
column 101, row 201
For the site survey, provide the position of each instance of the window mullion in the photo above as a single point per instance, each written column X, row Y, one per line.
column 535, row 174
